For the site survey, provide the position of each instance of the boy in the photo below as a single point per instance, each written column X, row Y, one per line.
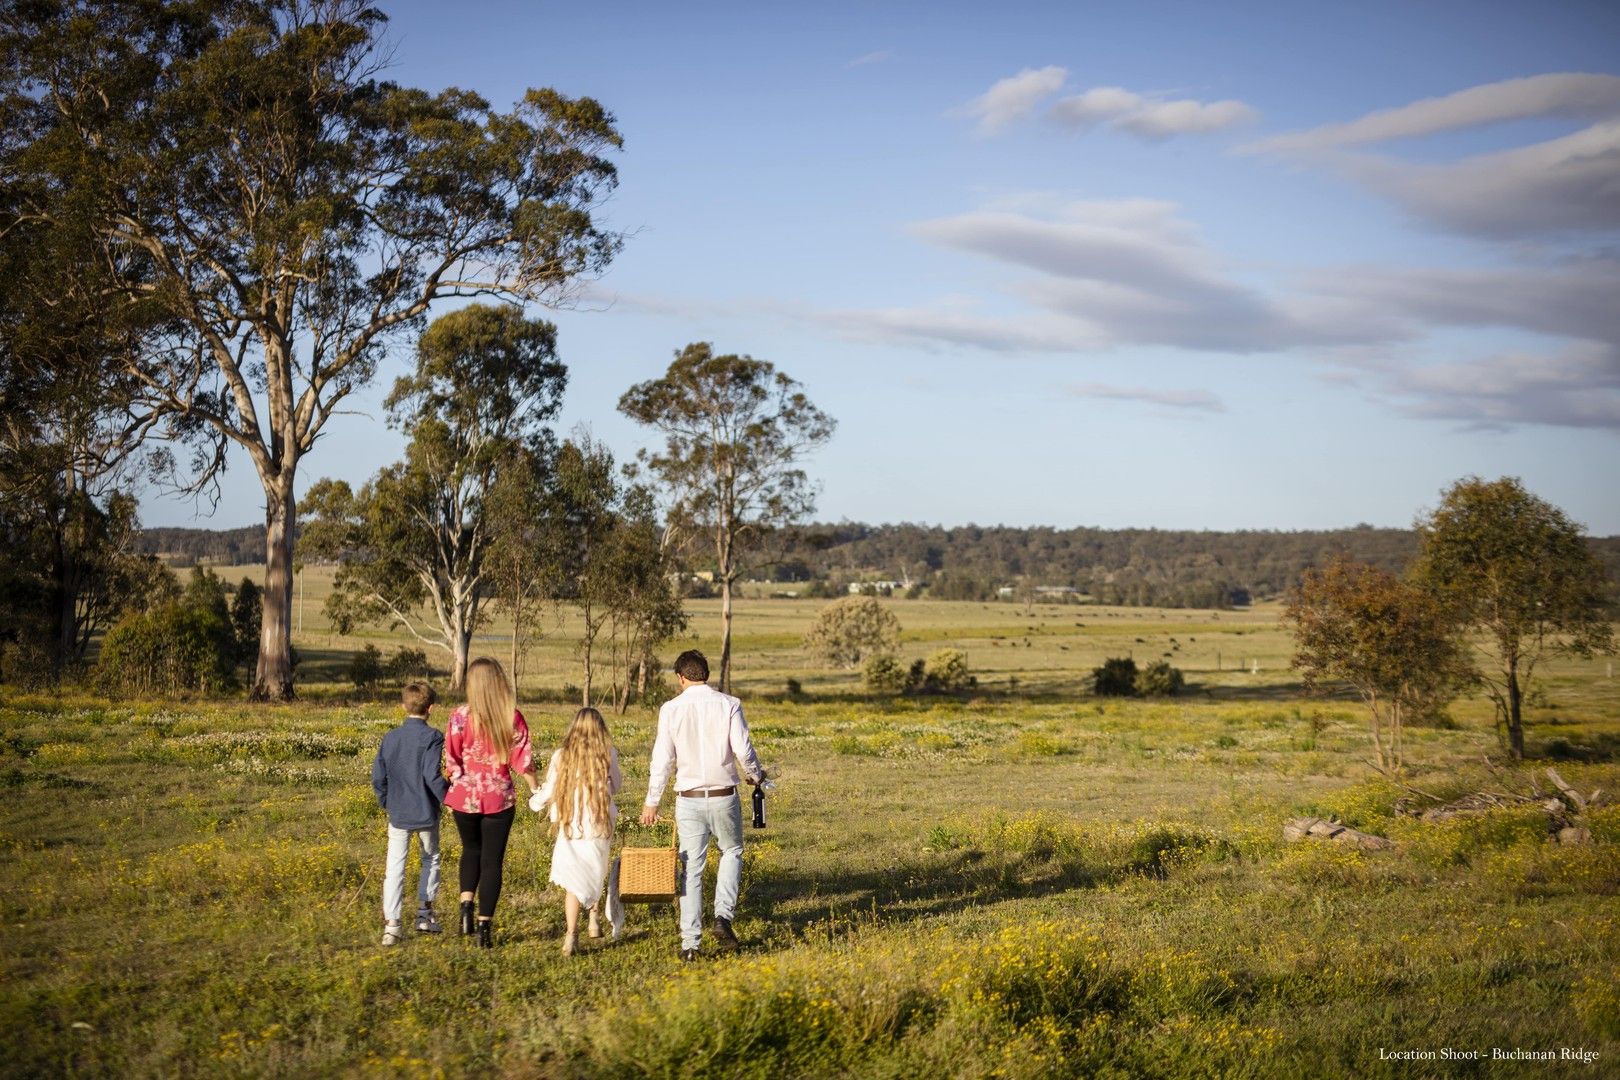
column 410, row 785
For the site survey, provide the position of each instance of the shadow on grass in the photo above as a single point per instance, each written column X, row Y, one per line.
column 911, row 891
column 1591, row 748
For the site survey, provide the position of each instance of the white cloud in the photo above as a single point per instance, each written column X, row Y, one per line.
column 1134, row 273
column 1579, row 387
column 1198, row 400
column 1576, row 96
column 876, row 57
column 1015, row 97
column 1557, row 187
column 1147, row 117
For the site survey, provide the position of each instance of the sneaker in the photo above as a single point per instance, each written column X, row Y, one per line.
column 427, row 922
column 723, row 936
column 688, row 955
column 392, row 935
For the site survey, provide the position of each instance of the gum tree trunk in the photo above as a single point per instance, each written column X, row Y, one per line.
column 272, row 680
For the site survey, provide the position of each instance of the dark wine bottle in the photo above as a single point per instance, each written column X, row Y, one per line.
column 759, row 806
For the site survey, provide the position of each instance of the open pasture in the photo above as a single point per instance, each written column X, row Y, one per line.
column 1027, row 881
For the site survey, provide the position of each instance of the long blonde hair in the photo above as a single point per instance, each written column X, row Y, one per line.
column 582, row 773
column 491, row 706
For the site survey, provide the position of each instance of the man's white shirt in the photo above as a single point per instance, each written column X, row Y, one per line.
column 701, row 738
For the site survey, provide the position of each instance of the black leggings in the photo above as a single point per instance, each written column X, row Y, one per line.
column 483, row 850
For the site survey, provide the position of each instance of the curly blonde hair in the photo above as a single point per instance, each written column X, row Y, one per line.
column 583, row 789
column 491, row 706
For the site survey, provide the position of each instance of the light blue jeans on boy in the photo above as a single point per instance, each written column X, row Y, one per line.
column 427, row 887
column 695, row 821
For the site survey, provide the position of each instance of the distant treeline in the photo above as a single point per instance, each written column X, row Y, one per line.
column 1115, row 566
column 188, row 547
column 1153, row 567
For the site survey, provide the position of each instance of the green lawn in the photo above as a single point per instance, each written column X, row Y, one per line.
column 1026, row 882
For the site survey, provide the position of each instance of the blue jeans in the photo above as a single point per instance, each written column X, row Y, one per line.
column 695, row 821
column 427, row 886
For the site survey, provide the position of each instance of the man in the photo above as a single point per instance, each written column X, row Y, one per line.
column 701, row 738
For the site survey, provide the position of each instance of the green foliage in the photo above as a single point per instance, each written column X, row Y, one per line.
column 178, row 647
column 853, row 629
column 366, row 667
column 1159, row 679
column 330, row 207
column 408, row 664
column 735, row 430
column 1116, row 678
column 947, row 670
column 1388, row 638
column 884, row 674
column 1515, row 568
column 247, row 609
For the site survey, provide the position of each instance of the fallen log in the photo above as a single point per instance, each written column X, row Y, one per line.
column 1310, row 828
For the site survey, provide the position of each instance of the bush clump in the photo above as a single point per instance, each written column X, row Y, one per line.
column 1159, row 679
column 886, row 675
column 947, row 671
column 407, row 664
column 853, row 629
column 1116, row 678
column 366, row 668
column 176, row 648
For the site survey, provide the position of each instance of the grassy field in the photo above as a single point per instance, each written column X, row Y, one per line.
column 1026, row 882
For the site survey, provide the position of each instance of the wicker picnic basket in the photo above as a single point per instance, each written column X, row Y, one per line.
column 647, row 875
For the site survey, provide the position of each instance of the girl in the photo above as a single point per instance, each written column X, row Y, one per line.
column 485, row 743
column 581, row 780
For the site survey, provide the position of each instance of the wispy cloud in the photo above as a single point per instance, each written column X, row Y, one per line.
column 1575, row 96
column 1562, row 186
column 1148, row 117
column 1132, row 272
column 876, row 57
column 1197, row 400
column 1015, row 97
column 1578, row 387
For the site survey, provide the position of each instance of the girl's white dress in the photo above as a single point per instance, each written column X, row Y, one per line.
column 580, row 860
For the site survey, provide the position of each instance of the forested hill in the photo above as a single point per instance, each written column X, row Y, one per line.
column 219, row 546
column 970, row 562
column 1120, row 566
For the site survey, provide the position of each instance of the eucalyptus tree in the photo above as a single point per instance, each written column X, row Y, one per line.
column 735, row 431
column 1518, row 572
column 1388, row 638
column 243, row 167
column 420, row 532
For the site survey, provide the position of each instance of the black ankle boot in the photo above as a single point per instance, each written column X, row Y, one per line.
column 467, row 917
column 485, row 941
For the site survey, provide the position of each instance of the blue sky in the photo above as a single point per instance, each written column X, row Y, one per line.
column 1177, row 265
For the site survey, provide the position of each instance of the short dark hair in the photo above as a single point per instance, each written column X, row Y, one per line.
column 417, row 697
column 692, row 666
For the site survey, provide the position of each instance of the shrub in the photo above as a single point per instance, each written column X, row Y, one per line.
column 185, row 646
column 366, row 668
column 1116, row 678
column 848, row 631
column 947, row 670
column 407, row 664
column 885, row 675
column 1159, row 679
column 794, row 688
column 247, row 610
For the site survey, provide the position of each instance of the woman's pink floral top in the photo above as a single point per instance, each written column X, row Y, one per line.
column 478, row 783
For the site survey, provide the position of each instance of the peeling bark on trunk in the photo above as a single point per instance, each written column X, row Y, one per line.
column 272, row 680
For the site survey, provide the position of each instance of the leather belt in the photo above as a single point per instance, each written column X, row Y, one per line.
column 707, row 793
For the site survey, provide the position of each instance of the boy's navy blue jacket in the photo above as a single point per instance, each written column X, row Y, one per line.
column 407, row 775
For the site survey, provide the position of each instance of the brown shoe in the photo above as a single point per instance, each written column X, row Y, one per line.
column 723, row 936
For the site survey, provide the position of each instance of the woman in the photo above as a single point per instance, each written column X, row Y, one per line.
column 486, row 742
column 581, row 780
